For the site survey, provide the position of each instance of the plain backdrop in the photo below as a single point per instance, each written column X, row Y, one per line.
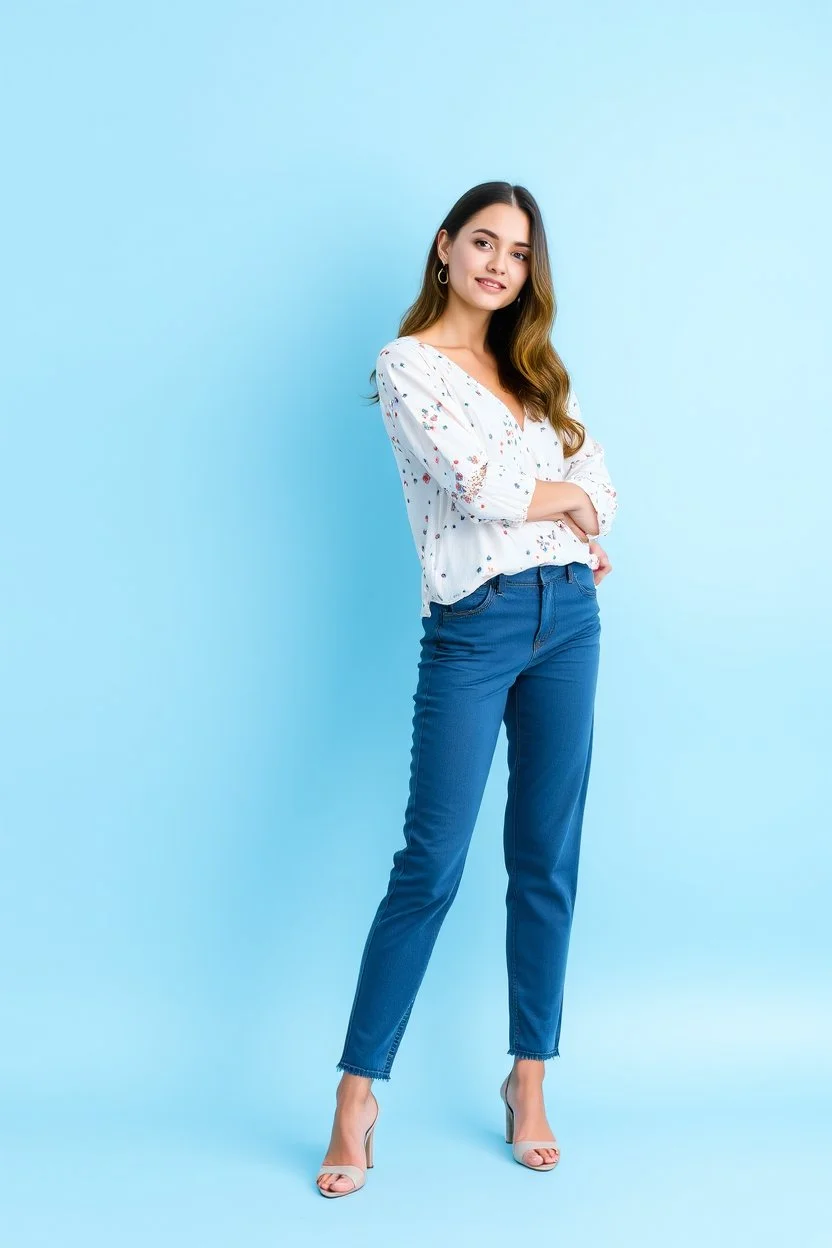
column 214, row 216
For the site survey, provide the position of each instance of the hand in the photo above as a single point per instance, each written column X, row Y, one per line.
column 604, row 565
column 584, row 517
column 566, row 518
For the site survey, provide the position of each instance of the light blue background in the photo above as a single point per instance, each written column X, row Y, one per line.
column 214, row 217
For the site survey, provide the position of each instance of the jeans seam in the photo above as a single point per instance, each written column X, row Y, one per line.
column 513, row 974
column 400, row 1031
column 397, row 1039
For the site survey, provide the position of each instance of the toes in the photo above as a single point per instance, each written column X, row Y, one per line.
column 541, row 1156
column 336, row 1182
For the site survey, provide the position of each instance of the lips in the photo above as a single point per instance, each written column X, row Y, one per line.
column 489, row 284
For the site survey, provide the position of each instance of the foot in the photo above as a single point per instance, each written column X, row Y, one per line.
column 525, row 1096
column 355, row 1111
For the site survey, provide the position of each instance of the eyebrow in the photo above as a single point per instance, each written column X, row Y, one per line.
column 482, row 230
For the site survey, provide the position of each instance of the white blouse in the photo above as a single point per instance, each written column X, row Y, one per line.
column 468, row 472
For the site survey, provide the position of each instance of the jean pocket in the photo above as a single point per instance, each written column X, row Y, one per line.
column 474, row 603
column 584, row 579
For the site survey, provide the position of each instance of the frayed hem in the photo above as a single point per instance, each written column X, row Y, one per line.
column 533, row 1057
column 360, row 1070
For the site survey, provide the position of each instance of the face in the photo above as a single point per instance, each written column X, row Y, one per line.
column 495, row 245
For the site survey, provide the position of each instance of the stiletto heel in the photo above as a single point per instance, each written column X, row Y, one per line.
column 358, row 1174
column 519, row 1147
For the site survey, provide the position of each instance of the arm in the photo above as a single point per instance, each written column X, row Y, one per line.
column 435, row 436
column 551, row 499
column 587, row 470
column 579, row 518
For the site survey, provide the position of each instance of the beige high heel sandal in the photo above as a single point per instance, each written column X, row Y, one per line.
column 356, row 1173
column 519, row 1147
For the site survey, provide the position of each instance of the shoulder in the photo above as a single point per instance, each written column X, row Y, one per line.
column 403, row 367
column 399, row 353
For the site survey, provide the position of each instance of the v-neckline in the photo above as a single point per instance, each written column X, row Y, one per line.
column 477, row 381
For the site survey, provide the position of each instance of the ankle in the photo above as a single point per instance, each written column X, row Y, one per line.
column 353, row 1090
column 527, row 1072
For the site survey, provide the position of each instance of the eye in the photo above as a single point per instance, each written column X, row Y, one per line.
column 521, row 254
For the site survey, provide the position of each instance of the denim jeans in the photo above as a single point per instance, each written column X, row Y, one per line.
column 521, row 649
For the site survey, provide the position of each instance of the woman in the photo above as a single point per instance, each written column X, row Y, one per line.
column 504, row 489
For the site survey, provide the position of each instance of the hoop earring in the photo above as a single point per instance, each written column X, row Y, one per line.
column 439, row 276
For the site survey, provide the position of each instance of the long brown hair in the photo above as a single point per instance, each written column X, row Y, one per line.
column 528, row 365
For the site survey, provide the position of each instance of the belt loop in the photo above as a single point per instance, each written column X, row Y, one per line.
column 499, row 581
column 570, row 572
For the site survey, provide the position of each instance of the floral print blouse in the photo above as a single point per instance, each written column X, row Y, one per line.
column 468, row 472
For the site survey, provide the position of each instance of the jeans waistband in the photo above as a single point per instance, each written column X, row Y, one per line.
column 540, row 575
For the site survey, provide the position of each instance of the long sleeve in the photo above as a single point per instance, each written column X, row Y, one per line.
column 436, row 439
column 588, row 470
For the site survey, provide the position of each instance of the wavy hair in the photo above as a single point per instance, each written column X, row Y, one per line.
column 528, row 365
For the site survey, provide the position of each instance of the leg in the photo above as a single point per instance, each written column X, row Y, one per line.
column 549, row 725
column 460, row 701
column 459, row 706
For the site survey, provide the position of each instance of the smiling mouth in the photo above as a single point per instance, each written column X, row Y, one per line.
column 489, row 285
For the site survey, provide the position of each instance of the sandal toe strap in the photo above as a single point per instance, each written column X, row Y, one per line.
column 523, row 1146
column 354, row 1172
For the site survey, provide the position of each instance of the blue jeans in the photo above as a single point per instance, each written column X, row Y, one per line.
column 523, row 650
